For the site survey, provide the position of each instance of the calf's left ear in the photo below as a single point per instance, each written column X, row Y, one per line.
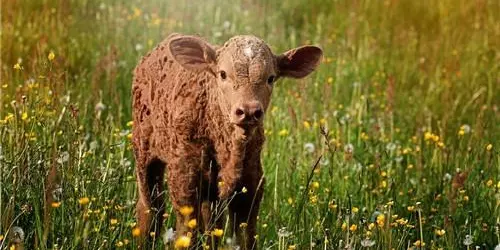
column 299, row 62
column 192, row 52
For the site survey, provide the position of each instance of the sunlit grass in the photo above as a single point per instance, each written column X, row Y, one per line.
column 392, row 143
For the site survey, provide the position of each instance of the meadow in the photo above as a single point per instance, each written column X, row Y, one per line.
column 393, row 143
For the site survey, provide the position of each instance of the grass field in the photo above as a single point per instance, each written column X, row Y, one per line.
column 402, row 119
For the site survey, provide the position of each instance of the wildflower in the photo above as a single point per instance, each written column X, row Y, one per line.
column 244, row 190
column 18, row 66
column 282, row 232
column 489, row 147
column 307, row 125
column 16, row 235
column 466, row 198
column 419, row 243
column 283, row 132
column 169, row 235
column 136, row 232
column 152, row 234
column 411, row 208
column 24, row 116
column 313, row 199
column 55, row 204
column 1, row 237
column 353, row 228
column 186, row 210
column 402, row 221
column 290, row 200
column 183, row 242
column 349, row 148
column 468, row 240
column 371, row 226
column 489, row 183
column 440, row 232
column 113, row 221
column 84, row 201
column 330, row 80
column 309, row 147
column 344, row 226
column 381, row 220
column 367, row 243
column 51, row 56
column 315, row 185
column 243, row 225
column 217, row 232
column 191, row 223
column 119, row 244
column 292, row 247
column 130, row 123
column 355, row 209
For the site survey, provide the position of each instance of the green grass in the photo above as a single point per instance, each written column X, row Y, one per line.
column 408, row 94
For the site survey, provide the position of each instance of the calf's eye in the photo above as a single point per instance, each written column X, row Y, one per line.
column 223, row 75
column 270, row 80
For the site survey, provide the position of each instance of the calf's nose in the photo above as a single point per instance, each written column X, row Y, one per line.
column 248, row 112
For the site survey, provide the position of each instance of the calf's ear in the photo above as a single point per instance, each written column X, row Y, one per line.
column 299, row 62
column 192, row 52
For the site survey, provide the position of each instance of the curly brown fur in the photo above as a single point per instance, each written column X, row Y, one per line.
column 197, row 112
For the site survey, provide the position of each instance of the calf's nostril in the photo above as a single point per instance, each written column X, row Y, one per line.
column 239, row 112
column 258, row 114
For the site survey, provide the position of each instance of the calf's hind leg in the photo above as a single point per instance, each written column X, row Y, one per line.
column 151, row 204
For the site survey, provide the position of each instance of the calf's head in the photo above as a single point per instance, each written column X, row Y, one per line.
column 246, row 71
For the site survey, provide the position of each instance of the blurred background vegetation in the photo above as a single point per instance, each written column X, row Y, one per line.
column 407, row 96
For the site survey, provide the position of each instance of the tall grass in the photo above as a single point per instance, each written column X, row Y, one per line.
column 393, row 142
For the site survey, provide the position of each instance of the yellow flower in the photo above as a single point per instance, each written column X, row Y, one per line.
column 283, row 132
column 419, row 243
column 55, row 204
column 402, row 221
column 186, row 210
column 489, row 147
column 466, row 198
column 290, row 201
column 307, row 125
column 84, row 201
column 130, row 123
column 353, row 228
column 24, row 116
column 292, row 247
column 330, row 80
column 244, row 190
column 440, row 232
column 461, row 132
column 119, row 243
column 371, row 226
column 51, row 56
column 344, row 226
column 243, row 225
column 183, row 242
column 411, row 208
column 191, row 223
column 136, row 232
column 315, row 185
column 355, row 209
column 17, row 66
column 1, row 237
column 113, row 221
column 217, row 232
column 381, row 220
column 489, row 183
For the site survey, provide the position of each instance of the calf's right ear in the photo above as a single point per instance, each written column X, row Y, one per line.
column 192, row 53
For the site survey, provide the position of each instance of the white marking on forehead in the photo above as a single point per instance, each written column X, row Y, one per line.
column 248, row 52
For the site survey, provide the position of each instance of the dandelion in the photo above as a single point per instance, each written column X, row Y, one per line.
column 130, row 123
column 489, row 147
column 16, row 235
column 55, row 204
column 169, row 235
column 136, row 232
column 355, row 209
column 183, row 242
column 353, row 228
column 307, row 125
column 309, row 147
column 217, row 232
column 191, row 223
column 84, row 201
column 51, row 56
column 186, row 210
column 315, row 185
column 381, row 220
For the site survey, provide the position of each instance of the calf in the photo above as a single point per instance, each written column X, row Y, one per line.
column 198, row 111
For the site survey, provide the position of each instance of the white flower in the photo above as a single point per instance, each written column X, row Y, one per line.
column 169, row 235
column 139, row 47
column 367, row 243
column 100, row 106
column 390, row 146
column 282, row 232
column 64, row 157
column 468, row 240
column 226, row 24
column 349, row 148
column 466, row 128
column 309, row 147
column 16, row 235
